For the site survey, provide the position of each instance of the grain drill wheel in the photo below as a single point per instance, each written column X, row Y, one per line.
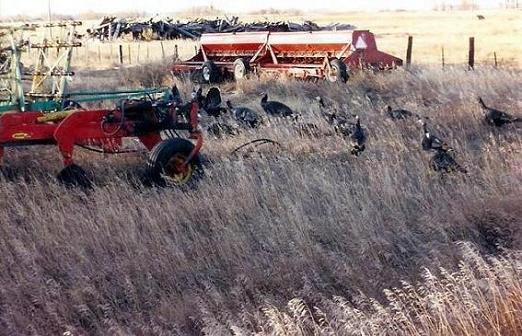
column 166, row 164
column 338, row 72
column 74, row 176
column 241, row 69
column 210, row 72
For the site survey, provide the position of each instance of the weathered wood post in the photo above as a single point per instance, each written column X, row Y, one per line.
column 408, row 51
column 495, row 58
column 471, row 54
column 176, row 54
column 443, row 61
column 162, row 50
column 120, row 53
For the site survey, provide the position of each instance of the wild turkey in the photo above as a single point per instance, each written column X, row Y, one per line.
column 429, row 140
column 348, row 129
column 358, row 138
column 496, row 117
column 275, row 108
column 340, row 124
column 399, row 114
column 211, row 103
column 443, row 162
column 245, row 115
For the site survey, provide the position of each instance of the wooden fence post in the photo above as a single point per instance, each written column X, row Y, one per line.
column 176, row 54
column 162, row 50
column 471, row 54
column 409, row 50
column 443, row 61
column 120, row 53
column 495, row 58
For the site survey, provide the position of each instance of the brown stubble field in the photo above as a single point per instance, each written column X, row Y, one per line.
column 304, row 239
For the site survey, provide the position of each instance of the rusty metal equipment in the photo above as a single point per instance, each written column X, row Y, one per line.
column 43, row 113
column 326, row 55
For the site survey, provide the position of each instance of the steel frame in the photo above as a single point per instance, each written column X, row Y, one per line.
column 38, row 118
column 310, row 59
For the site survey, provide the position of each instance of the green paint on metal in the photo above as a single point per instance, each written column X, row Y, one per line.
column 80, row 97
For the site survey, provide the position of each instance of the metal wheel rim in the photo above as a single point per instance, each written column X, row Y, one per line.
column 332, row 74
column 176, row 172
column 239, row 71
column 206, row 73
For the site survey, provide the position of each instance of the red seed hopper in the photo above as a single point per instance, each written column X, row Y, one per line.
column 320, row 54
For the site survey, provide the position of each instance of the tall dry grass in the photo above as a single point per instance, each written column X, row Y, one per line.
column 304, row 239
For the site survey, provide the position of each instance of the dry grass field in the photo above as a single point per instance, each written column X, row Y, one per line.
column 301, row 239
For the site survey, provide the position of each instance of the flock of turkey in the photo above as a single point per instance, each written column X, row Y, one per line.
column 442, row 161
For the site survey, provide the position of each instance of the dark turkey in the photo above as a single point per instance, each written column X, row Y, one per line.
column 496, row 117
column 211, row 103
column 429, row 140
column 399, row 114
column 275, row 108
column 245, row 115
column 358, row 138
column 443, row 162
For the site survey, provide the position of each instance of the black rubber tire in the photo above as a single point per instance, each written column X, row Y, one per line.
column 340, row 70
column 241, row 69
column 210, row 72
column 162, row 153
column 74, row 176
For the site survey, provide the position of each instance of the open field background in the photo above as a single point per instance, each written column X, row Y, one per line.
column 500, row 32
column 299, row 240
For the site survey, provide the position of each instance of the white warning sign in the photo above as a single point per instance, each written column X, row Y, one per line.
column 360, row 44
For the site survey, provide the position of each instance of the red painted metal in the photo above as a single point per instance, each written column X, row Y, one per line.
column 86, row 128
column 301, row 54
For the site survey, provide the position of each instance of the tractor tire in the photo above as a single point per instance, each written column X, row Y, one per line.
column 241, row 69
column 210, row 72
column 164, row 160
column 74, row 176
column 339, row 72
